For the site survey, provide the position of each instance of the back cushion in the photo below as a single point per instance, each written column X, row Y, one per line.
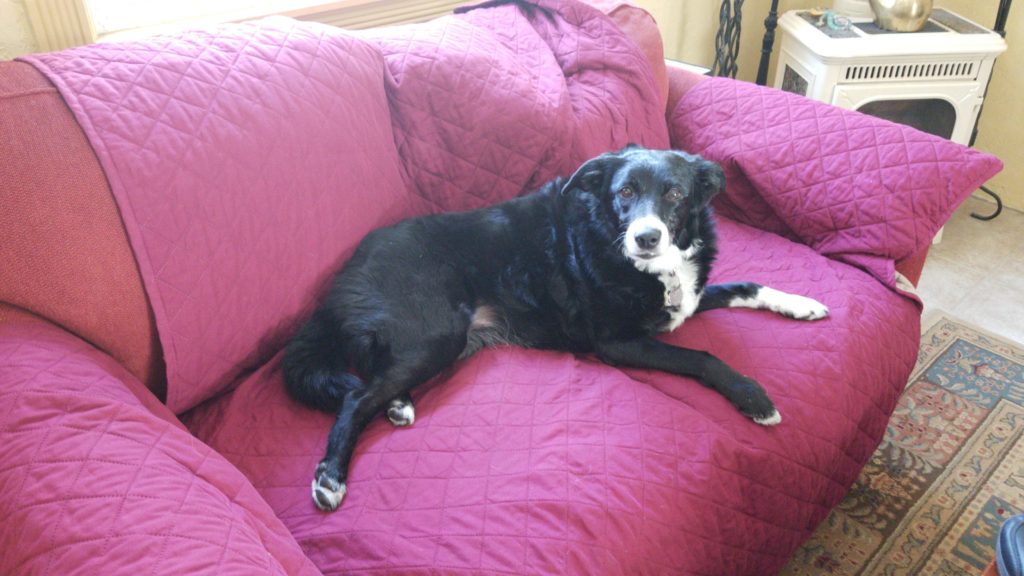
column 247, row 162
column 494, row 101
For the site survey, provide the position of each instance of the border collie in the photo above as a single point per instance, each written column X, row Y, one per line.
column 598, row 263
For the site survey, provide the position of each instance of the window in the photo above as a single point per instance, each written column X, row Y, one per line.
column 59, row 24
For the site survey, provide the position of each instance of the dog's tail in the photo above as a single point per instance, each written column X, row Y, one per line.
column 314, row 366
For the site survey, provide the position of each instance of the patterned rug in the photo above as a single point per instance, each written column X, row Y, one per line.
column 949, row 471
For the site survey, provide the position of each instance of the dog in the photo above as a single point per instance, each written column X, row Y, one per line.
column 598, row 263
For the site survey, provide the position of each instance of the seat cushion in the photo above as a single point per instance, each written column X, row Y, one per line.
column 541, row 462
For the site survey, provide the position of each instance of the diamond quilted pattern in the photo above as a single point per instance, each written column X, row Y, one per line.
column 527, row 462
column 99, row 481
column 247, row 162
column 846, row 184
column 492, row 102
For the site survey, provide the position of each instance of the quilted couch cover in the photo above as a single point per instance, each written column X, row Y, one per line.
column 248, row 160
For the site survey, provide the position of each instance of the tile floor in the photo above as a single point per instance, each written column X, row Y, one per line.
column 976, row 273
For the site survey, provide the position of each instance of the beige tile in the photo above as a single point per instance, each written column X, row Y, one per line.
column 977, row 271
column 945, row 283
column 980, row 244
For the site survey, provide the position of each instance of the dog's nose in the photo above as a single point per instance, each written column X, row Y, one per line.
column 648, row 238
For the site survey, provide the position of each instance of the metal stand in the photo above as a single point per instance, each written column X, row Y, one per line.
column 1000, row 28
column 999, row 205
column 727, row 40
column 768, row 42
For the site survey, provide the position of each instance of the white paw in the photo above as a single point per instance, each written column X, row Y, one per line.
column 771, row 420
column 792, row 305
column 328, row 493
column 401, row 413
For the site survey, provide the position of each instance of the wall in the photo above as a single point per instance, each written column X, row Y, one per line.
column 15, row 33
column 689, row 30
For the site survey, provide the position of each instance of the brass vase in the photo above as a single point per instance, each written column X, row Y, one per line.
column 902, row 15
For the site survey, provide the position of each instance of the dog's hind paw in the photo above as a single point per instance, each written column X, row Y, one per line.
column 401, row 412
column 772, row 419
column 751, row 400
column 327, row 492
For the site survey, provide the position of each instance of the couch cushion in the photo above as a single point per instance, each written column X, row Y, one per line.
column 532, row 462
column 64, row 250
column 247, row 161
column 497, row 100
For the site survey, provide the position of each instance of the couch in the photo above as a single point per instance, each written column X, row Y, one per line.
column 171, row 208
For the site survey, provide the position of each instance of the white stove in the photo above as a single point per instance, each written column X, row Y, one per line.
column 933, row 80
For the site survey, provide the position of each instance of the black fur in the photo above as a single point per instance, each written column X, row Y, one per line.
column 545, row 270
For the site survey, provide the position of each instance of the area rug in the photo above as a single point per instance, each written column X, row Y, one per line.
column 948, row 473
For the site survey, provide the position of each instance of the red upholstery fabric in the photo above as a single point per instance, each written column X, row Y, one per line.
column 63, row 248
column 912, row 266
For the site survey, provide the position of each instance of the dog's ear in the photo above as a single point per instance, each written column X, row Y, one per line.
column 710, row 181
column 590, row 176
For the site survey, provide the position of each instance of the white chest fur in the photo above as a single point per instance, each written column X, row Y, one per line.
column 678, row 272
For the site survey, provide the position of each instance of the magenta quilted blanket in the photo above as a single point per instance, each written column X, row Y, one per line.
column 527, row 462
column 99, row 478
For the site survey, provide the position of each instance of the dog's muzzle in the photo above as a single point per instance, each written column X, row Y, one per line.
column 646, row 238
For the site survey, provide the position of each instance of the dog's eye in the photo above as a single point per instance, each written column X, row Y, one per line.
column 626, row 193
column 674, row 194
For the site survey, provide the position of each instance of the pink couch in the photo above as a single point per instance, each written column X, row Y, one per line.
column 173, row 207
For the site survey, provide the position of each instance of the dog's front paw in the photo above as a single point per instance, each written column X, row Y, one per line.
column 792, row 305
column 328, row 491
column 804, row 308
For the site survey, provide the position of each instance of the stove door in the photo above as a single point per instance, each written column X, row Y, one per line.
column 946, row 109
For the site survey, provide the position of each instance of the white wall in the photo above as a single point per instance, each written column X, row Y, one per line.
column 15, row 33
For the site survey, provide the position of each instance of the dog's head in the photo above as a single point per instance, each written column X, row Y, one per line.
column 654, row 198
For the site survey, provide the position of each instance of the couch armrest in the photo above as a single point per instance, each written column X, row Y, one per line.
column 681, row 81
column 99, row 478
column 912, row 266
column 856, row 188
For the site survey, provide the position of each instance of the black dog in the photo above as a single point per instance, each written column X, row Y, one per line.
column 599, row 263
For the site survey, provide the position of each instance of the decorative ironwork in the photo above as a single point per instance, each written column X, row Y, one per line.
column 727, row 40
column 1000, row 28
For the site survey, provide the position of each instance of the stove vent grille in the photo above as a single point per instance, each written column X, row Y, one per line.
column 963, row 70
